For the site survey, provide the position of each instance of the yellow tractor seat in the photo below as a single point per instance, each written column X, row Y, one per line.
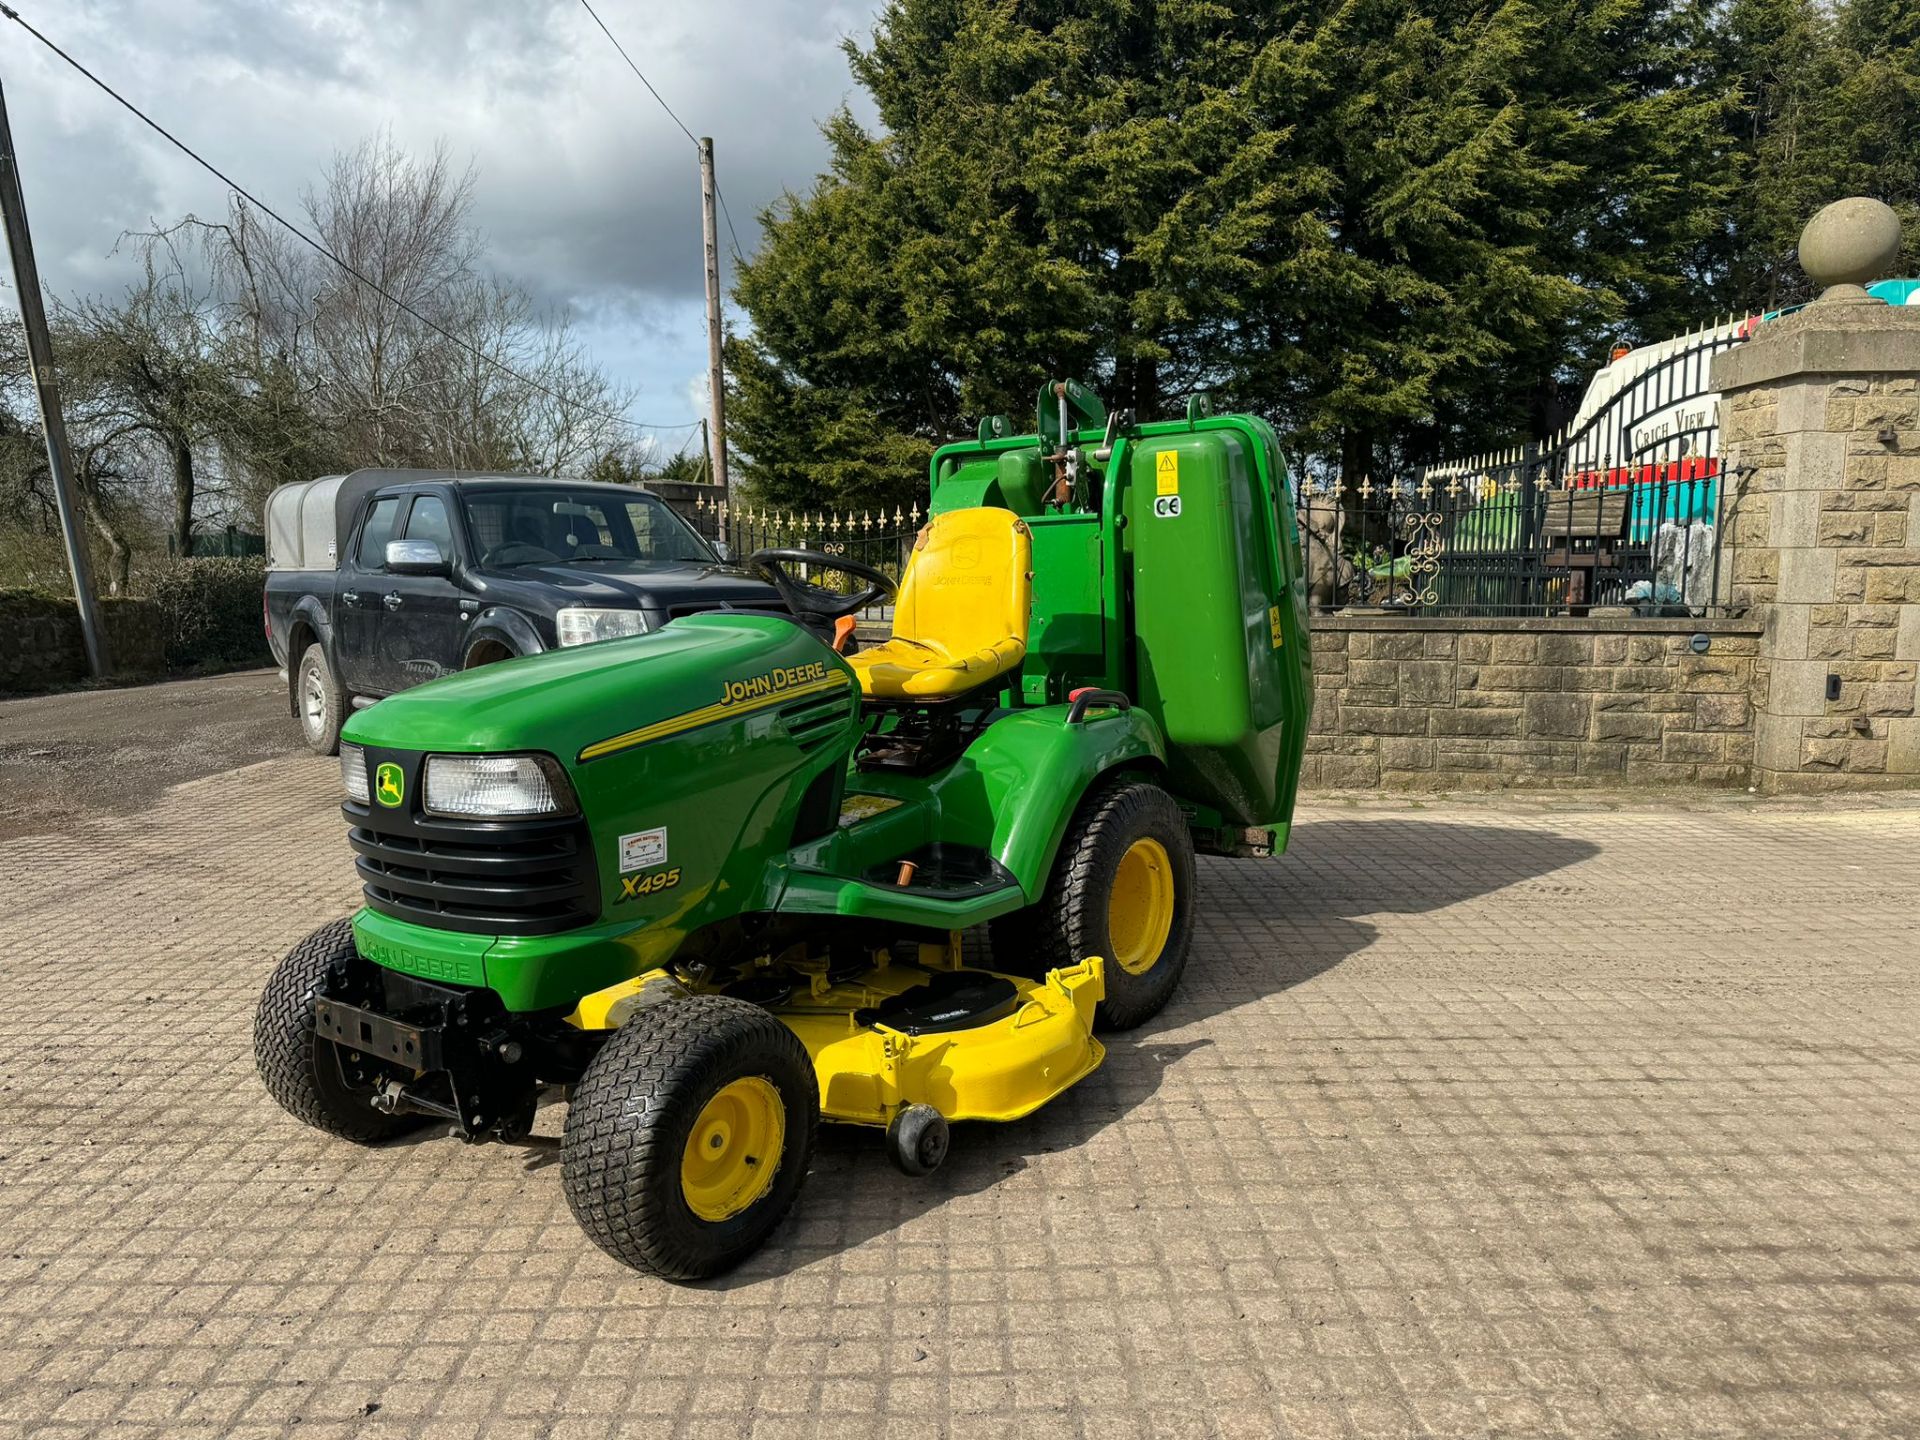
column 960, row 619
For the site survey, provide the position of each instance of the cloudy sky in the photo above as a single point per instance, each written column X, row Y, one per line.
column 588, row 193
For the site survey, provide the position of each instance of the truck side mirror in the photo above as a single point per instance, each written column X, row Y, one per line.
column 416, row 557
column 724, row 551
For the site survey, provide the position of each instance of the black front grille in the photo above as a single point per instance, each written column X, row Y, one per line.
column 517, row 877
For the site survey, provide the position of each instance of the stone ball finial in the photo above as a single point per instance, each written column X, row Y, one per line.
column 1847, row 244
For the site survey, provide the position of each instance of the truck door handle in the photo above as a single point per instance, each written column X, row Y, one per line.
column 349, row 597
column 392, row 600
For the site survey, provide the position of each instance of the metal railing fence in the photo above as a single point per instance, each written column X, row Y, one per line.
column 1624, row 507
column 1484, row 545
column 882, row 539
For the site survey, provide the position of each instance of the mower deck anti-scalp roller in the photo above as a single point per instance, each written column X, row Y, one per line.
column 718, row 883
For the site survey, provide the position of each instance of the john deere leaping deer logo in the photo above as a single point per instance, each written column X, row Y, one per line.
column 389, row 786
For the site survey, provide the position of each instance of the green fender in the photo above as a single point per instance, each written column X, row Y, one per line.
column 1030, row 770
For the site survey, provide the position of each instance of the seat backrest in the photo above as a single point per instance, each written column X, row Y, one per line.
column 969, row 582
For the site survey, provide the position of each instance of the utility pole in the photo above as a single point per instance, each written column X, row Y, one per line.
column 26, row 284
column 716, row 379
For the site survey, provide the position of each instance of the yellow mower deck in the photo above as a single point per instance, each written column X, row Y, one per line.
column 1000, row 1070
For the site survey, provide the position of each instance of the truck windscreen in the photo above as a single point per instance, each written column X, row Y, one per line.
column 547, row 526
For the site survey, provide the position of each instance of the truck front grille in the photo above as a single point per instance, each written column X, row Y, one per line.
column 521, row 877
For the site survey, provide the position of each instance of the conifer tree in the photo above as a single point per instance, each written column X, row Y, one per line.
column 1398, row 228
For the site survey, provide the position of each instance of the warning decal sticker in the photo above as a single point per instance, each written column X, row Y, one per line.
column 642, row 849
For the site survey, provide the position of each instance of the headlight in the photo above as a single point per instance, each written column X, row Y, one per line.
column 496, row 787
column 583, row 627
column 353, row 773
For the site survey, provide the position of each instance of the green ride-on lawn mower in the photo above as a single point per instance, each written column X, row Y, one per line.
column 709, row 883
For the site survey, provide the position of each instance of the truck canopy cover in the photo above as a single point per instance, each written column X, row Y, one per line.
column 308, row 520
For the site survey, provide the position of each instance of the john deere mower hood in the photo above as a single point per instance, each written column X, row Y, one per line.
column 592, row 701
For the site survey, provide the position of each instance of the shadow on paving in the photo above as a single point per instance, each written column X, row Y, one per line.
column 1265, row 926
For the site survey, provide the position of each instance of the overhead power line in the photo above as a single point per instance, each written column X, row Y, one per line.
column 709, row 192
column 321, row 248
column 734, row 235
column 636, row 70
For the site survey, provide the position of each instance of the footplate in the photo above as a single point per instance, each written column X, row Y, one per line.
column 379, row 1036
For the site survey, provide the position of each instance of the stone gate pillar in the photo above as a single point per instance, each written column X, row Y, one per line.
column 1820, row 424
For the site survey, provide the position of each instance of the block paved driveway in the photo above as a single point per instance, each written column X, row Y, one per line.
column 1489, row 1118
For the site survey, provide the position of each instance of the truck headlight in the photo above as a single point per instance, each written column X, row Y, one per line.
column 578, row 626
column 496, row 787
column 353, row 773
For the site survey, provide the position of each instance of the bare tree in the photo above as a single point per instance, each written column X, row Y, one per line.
column 443, row 363
column 150, row 367
column 108, row 497
column 242, row 359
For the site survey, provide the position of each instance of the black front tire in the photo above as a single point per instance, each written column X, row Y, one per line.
column 627, row 1148
column 301, row 1070
column 1071, row 921
column 319, row 702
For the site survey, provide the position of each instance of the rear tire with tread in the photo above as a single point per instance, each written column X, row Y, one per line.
column 300, row 1069
column 635, row 1110
column 1070, row 922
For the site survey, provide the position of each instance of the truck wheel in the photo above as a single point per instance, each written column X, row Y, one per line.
column 689, row 1135
column 1121, row 888
column 301, row 1070
column 321, row 703
column 486, row 652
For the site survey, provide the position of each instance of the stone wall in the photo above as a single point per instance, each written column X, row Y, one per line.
column 1821, row 419
column 41, row 646
column 1409, row 703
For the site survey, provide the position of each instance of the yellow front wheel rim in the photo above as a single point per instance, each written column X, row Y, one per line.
column 1140, row 909
column 734, row 1149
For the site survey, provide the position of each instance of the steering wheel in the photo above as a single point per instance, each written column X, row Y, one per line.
column 806, row 599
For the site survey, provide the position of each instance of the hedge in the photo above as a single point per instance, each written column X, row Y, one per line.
column 210, row 613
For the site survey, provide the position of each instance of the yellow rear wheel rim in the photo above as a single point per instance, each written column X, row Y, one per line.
column 734, row 1149
column 1140, row 909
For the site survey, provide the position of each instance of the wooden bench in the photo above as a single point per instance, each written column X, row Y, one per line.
column 1580, row 530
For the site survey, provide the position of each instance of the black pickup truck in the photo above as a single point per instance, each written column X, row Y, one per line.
column 383, row 579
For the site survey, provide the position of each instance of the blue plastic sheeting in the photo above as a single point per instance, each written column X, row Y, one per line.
column 1681, row 501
